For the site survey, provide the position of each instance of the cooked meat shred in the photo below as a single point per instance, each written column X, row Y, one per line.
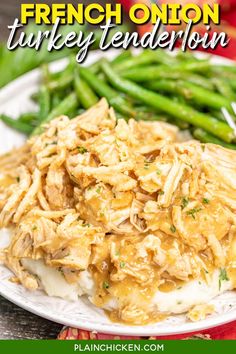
column 125, row 200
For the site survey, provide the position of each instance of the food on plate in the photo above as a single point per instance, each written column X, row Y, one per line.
column 180, row 89
column 133, row 214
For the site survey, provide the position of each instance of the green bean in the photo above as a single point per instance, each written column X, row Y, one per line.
column 205, row 137
column 44, row 102
column 146, row 57
column 188, row 55
column 67, row 70
column 28, row 117
column 56, row 99
column 218, row 114
column 192, row 92
column 22, row 60
column 226, row 75
column 147, row 113
column 148, row 73
column 65, row 79
column 177, row 110
column 224, row 88
column 168, row 73
column 119, row 59
column 197, row 80
column 17, row 125
column 124, row 55
column 84, row 93
column 232, row 84
column 152, row 116
column 103, row 90
column 45, row 74
column 65, row 106
column 62, row 83
column 94, row 68
column 225, row 68
column 69, row 103
column 35, row 97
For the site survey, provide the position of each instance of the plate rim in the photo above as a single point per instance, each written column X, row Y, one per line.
column 187, row 327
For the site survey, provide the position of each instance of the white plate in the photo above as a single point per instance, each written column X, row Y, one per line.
column 14, row 99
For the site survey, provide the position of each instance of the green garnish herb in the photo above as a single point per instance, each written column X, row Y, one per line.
column 173, row 228
column 161, row 192
column 105, row 285
column 193, row 211
column 205, row 201
column 184, row 203
column 85, row 224
column 158, row 172
column 98, row 190
column 34, row 227
column 82, row 150
column 122, row 264
column 18, row 179
column 223, row 276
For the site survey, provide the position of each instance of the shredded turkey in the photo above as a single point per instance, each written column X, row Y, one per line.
column 124, row 201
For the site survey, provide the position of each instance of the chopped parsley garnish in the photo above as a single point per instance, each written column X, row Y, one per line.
column 122, row 264
column 161, row 192
column 82, row 150
column 205, row 201
column 34, row 227
column 98, row 190
column 184, row 203
column 158, row 172
column 117, row 253
column 173, row 228
column 105, row 285
column 192, row 212
column 18, row 179
column 223, row 276
column 85, row 224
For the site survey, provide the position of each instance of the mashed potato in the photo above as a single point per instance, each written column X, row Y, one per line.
column 124, row 213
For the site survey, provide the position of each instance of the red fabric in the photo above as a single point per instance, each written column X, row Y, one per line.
column 228, row 23
column 227, row 331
